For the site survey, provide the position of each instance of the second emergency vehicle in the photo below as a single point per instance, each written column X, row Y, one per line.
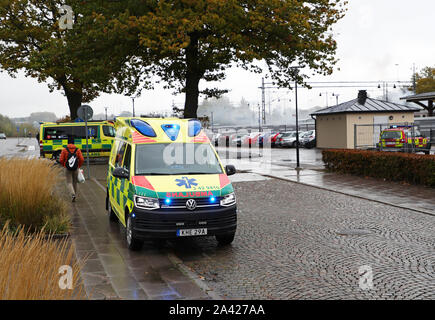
column 403, row 139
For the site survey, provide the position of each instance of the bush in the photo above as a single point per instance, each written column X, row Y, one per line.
column 29, row 267
column 394, row 166
column 29, row 196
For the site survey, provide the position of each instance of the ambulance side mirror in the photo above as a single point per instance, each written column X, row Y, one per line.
column 230, row 170
column 121, row 173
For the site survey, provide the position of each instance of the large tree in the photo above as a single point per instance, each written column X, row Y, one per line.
column 81, row 61
column 425, row 82
column 193, row 40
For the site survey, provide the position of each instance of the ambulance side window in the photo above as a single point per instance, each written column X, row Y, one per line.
column 120, row 154
column 127, row 158
column 114, row 152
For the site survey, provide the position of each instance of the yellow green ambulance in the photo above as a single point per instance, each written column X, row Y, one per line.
column 53, row 138
column 165, row 180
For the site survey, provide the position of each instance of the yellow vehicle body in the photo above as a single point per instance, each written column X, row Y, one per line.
column 53, row 138
column 151, row 196
column 403, row 139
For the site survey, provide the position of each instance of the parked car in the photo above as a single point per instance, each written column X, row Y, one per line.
column 252, row 138
column 288, row 139
column 280, row 138
column 309, row 139
column 238, row 140
column 2, row 136
column 263, row 137
column 273, row 139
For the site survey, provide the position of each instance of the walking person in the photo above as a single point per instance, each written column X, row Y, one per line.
column 72, row 159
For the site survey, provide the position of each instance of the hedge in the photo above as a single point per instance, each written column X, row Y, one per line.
column 394, row 166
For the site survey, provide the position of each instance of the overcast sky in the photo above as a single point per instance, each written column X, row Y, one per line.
column 378, row 40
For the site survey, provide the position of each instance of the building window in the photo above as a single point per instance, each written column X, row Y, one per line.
column 391, row 117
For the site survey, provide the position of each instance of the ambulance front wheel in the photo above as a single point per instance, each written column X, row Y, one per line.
column 225, row 240
column 132, row 243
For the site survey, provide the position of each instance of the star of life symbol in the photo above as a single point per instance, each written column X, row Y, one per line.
column 185, row 181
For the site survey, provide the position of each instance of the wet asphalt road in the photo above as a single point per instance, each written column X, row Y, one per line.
column 22, row 147
column 293, row 242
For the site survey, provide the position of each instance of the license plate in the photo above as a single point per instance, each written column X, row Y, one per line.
column 191, row 232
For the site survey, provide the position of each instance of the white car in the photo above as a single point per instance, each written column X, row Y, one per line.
column 288, row 139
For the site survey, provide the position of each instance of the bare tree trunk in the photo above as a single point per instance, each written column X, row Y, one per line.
column 74, row 102
column 193, row 75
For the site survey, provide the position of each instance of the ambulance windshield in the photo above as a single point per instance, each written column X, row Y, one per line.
column 176, row 158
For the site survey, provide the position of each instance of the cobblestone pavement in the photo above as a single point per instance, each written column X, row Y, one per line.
column 299, row 242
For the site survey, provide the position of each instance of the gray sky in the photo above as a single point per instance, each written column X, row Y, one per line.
column 377, row 40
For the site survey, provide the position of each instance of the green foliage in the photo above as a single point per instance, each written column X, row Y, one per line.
column 125, row 46
column 79, row 61
column 394, row 166
column 425, row 80
column 7, row 126
column 184, row 42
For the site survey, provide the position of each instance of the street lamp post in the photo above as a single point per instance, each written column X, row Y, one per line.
column 297, row 117
column 336, row 95
column 212, row 122
column 132, row 98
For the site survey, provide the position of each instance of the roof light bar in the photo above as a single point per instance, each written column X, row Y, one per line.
column 143, row 127
column 194, row 128
column 171, row 130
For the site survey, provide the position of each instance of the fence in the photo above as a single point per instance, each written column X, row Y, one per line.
column 367, row 136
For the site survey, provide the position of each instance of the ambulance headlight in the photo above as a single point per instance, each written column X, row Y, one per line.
column 228, row 200
column 146, row 203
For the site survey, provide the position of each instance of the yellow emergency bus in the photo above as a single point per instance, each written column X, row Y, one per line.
column 53, row 138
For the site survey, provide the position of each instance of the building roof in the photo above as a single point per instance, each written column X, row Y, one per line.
column 420, row 97
column 370, row 105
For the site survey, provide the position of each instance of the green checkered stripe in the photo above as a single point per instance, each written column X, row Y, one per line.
column 96, row 144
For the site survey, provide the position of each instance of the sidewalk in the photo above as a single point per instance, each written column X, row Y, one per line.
column 418, row 198
column 111, row 270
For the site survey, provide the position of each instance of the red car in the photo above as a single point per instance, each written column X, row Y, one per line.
column 252, row 138
column 274, row 138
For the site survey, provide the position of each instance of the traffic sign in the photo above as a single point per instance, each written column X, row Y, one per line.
column 85, row 112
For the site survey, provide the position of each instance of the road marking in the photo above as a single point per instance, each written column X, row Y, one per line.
column 99, row 184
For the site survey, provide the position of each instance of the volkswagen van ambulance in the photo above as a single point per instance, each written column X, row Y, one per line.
column 53, row 138
column 165, row 180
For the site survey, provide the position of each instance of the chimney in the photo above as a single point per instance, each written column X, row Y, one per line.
column 362, row 97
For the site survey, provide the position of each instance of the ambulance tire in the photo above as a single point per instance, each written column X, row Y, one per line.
column 132, row 243
column 225, row 240
column 112, row 215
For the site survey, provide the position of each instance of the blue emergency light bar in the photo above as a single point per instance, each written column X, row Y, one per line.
column 396, row 126
column 143, row 127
